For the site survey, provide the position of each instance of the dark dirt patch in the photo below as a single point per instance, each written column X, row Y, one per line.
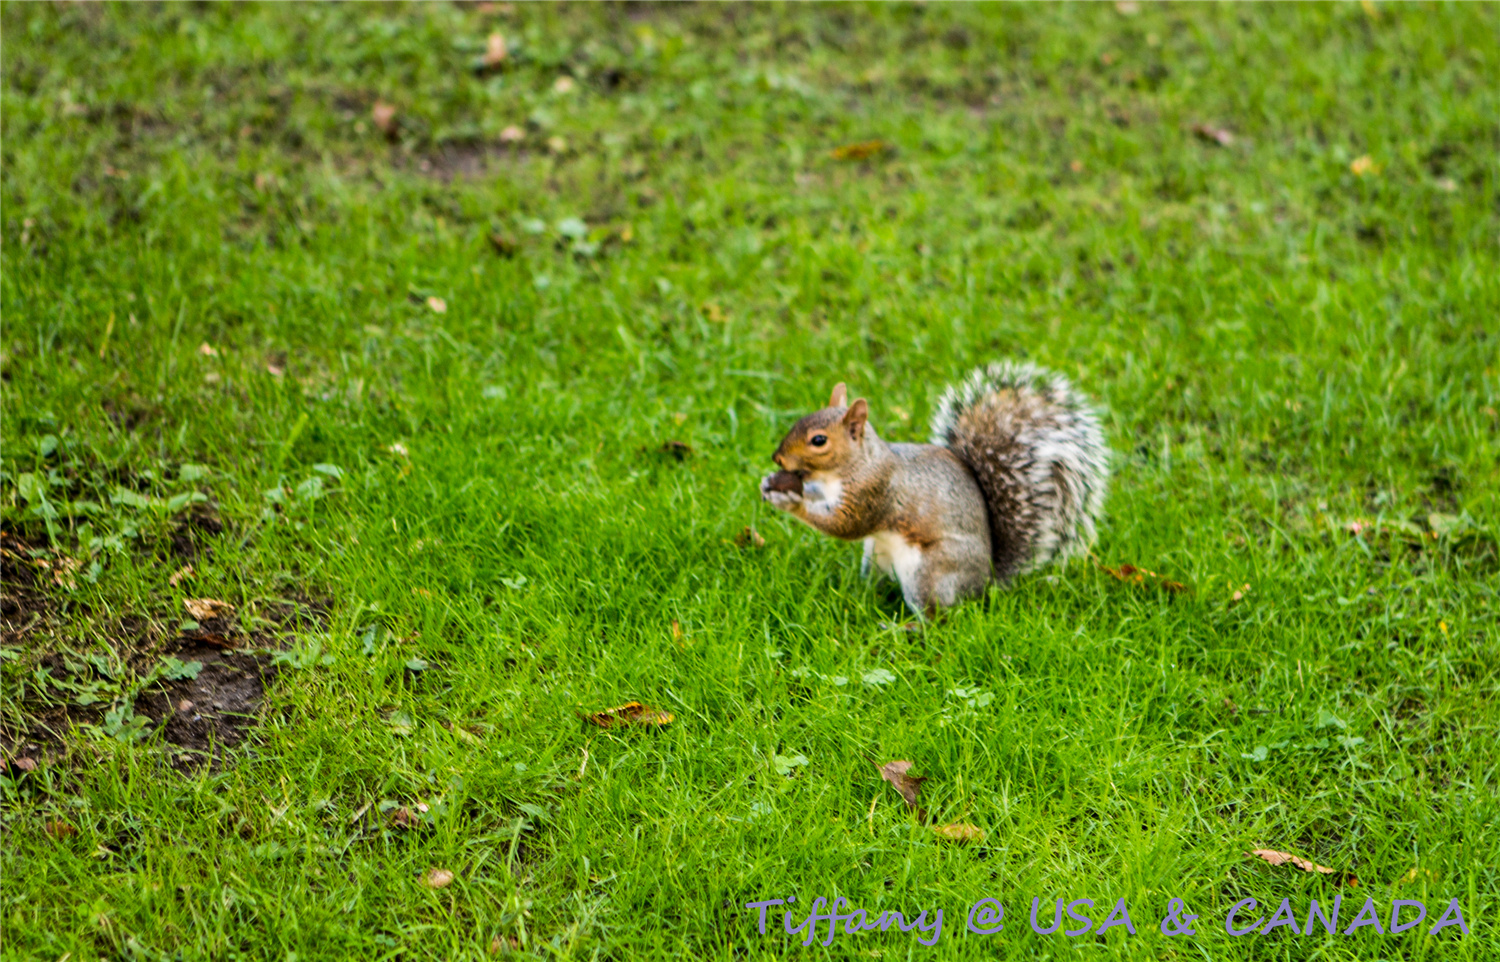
column 190, row 534
column 198, row 719
column 22, row 602
column 212, row 712
column 465, row 161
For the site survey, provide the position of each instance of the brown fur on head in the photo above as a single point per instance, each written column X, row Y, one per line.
column 825, row 439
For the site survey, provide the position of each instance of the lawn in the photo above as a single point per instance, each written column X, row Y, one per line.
column 381, row 399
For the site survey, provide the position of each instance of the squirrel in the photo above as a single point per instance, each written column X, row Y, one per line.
column 1014, row 479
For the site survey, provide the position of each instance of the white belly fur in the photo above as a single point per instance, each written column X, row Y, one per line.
column 895, row 557
column 822, row 494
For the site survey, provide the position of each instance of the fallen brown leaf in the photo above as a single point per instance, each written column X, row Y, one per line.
column 676, row 631
column 24, row 764
column 58, row 828
column 207, row 350
column 1214, row 135
column 512, row 134
column 749, row 538
column 438, row 305
column 504, row 945
column 437, row 878
column 863, row 150
column 959, row 832
column 630, row 713
column 62, row 572
column 1137, row 576
column 186, row 571
column 384, row 116
column 403, row 817
column 907, row 785
column 495, row 50
column 1273, row 857
column 205, row 609
column 214, row 640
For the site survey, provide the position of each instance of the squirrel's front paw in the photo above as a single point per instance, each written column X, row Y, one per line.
column 776, row 490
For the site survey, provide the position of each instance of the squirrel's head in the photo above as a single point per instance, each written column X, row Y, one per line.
column 825, row 439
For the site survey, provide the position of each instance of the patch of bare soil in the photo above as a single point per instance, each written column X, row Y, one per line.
column 198, row 718
column 466, row 161
column 209, row 713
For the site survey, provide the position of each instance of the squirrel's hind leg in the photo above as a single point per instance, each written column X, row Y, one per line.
column 951, row 570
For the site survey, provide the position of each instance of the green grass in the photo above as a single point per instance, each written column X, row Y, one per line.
column 1284, row 345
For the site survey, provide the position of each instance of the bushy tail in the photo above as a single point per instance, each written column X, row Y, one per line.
column 1037, row 450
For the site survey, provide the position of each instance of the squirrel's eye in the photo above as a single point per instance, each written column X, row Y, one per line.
column 818, row 440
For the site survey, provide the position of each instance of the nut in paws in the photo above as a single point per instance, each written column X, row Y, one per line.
column 782, row 489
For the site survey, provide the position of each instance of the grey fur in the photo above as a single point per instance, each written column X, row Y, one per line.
column 1014, row 479
column 1037, row 450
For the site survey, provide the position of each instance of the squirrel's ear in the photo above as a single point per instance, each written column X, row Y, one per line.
column 855, row 418
column 839, row 397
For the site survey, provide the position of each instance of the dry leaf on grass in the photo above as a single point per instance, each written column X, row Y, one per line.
column 749, row 538
column 186, row 571
column 959, row 832
column 630, row 713
column 384, row 116
column 1273, row 857
column 1214, row 135
column 23, row 764
column 57, row 828
column 495, row 50
column 504, row 945
column 205, row 609
column 908, row 785
column 863, row 150
column 512, row 134
column 1133, row 575
column 437, row 878
column 403, row 817
column 438, row 305
column 215, row 641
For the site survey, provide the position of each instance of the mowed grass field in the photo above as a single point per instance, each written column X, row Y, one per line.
column 452, row 365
